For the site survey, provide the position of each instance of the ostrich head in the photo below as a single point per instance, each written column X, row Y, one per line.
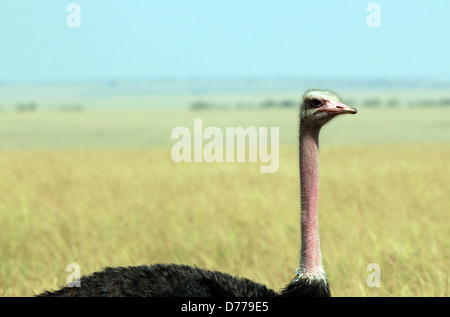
column 320, row 106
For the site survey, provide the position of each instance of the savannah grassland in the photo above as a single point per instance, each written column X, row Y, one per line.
column 99, row 188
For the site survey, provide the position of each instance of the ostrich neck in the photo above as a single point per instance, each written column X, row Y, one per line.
column 310, row 256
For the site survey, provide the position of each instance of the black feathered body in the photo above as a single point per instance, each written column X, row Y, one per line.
column 163, row 280
column 170, row 280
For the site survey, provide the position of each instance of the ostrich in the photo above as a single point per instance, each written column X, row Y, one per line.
column 318, row 107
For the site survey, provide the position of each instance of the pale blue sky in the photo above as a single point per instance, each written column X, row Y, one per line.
column 141, row 39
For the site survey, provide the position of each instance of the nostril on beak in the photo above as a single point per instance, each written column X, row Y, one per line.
column 339, row 107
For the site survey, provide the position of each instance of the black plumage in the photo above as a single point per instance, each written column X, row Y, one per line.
column 166, row 280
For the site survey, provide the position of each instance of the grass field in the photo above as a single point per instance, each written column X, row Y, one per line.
column 100, row 189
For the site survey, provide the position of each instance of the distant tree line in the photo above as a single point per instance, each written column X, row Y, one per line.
column 394, row 102
column 26, row 107
column 440, row 102
column 33, row 106
column 206, row 105
column 377, row 102
column 372, row 102
column 278, row 104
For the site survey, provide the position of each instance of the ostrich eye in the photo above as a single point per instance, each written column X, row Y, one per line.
column 316, row 102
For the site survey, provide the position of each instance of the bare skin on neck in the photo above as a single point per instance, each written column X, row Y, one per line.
column 318, row 108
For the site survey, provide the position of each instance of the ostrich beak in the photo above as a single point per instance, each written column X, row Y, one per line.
column 337, row 108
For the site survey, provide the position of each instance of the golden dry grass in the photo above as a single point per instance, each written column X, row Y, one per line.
column 378, row 204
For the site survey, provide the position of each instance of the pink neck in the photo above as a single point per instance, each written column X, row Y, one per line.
column 310, row 256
